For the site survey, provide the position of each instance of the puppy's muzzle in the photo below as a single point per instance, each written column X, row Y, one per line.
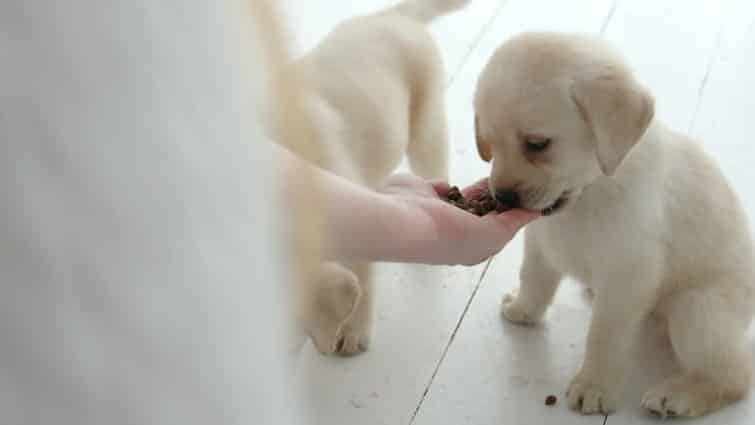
column 508, row 199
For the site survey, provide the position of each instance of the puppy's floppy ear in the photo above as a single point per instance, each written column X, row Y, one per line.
column 483, row 149
column 617, row 109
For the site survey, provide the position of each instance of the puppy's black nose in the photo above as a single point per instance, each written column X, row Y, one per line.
column 507, row 198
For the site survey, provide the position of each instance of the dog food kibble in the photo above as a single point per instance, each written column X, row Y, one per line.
column 485, row 204
column 551, row 400
column 488, row 204
column 454, row 194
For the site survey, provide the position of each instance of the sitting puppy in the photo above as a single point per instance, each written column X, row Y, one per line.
column 636, row 211
column 376, row 92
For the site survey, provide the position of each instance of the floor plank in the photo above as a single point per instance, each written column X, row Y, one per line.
column 417, row 309
column 459, row 33
column 498, row 373
column 724, row 121
column 670, row 45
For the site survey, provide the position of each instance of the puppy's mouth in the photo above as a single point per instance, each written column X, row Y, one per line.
column 557, row 205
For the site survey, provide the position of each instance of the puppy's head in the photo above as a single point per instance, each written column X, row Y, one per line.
column 554, row 112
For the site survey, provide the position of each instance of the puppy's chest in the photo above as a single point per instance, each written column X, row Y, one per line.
column 576, row 248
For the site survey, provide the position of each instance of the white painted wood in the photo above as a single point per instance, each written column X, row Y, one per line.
column 669, row 44
column 725, row 119
column 457, row 34
column 417, row 309
column 498, row 373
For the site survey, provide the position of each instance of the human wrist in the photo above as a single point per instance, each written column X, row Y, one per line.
column 412, row 235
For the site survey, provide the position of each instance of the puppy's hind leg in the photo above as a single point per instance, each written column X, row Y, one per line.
column 428, row 139
column 708, row 338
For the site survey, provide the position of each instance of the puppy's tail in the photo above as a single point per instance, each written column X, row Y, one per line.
column 427, row 10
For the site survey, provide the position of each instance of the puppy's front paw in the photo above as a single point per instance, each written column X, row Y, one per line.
column 326, row 338
column 354, row 339
column 347, row 341
column 516, row 311
column 335, row 297
column 589, row 397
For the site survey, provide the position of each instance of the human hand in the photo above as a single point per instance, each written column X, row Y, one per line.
column 445, row 233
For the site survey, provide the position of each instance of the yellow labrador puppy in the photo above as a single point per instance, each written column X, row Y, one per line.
column 636, row 211
column 376, row 92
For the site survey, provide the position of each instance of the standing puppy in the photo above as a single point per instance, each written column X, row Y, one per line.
column 634, row 210
column 376, row 92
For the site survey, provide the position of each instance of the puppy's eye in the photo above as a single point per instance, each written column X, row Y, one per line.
column 536, row 144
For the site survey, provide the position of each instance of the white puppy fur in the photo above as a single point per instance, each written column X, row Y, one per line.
column 636, row 211
column 376, row 93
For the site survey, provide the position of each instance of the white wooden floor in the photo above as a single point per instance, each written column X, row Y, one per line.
column 441, row 354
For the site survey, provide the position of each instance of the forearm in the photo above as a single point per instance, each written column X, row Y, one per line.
column 359, row 223
column 365, row 224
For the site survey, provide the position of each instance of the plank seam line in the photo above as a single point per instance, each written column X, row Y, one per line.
column 450, row 341
column 480, row 35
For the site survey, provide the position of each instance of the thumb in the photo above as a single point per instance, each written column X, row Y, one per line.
column 441, row 188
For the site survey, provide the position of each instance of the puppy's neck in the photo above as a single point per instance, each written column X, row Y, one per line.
column 645, row 158
column 637, row 176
